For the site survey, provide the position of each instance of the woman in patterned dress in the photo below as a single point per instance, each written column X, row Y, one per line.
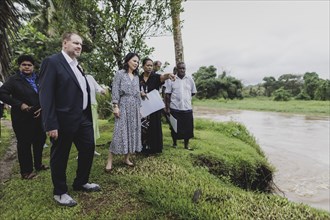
column 126, row 108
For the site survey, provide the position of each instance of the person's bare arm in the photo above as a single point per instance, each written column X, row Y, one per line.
column 166, row 76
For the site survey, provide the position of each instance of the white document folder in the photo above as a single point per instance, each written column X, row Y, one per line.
column 173, row 122
column 151, row 104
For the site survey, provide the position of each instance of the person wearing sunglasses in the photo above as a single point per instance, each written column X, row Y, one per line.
column 20, row 91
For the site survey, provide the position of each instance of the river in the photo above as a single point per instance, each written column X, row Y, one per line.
column 296, row 145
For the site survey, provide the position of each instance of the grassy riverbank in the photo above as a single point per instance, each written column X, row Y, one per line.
column 317, row 108
column 227, row 172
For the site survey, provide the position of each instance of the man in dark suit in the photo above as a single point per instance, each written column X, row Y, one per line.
column 21, row 92
column 67, row 118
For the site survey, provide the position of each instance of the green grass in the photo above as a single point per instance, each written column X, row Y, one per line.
column 5, row 138
column 319, row 108
column 163, row 186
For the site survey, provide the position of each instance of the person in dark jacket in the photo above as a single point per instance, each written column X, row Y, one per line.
column 20, row 91
column 67, row 117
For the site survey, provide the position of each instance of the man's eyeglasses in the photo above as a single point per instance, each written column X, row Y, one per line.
column 25, row 64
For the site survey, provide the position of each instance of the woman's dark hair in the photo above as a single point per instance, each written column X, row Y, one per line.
column 145, row 60
column 127, row 58
column 23, row 58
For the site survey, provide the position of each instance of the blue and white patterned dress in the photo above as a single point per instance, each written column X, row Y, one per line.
column 127, row 130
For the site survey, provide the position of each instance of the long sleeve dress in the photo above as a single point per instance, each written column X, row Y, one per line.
column 127, row 130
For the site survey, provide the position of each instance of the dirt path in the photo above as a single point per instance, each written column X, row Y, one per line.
column 8, row 160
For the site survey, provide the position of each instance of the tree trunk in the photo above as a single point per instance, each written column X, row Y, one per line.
column 177, row 36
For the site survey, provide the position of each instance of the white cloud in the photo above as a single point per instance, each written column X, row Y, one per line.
column 253, row 39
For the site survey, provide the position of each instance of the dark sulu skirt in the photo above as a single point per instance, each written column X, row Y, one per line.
column 185, row 124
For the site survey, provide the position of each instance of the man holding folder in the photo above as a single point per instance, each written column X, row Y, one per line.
column 178, row 103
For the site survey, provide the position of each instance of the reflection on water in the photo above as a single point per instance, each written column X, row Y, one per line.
column 298, row 146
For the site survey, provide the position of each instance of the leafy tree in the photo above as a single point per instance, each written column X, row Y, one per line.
column 232, row 86
column 303, row 96
column 311, row 83
column 291, row 83
column 253, row 90
column 210, row 86
column 270, row 85
column 110, row 29
column 42, row 45
column 119, row 27
column 205, row 73
column 9, row 24
column 281, row 95
column 323, row 90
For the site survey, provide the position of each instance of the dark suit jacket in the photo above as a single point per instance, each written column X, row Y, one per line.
column 61, row 97
column 16, row 91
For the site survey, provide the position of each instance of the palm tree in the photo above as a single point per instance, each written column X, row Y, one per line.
column 176, row 23
column 10, row 16
column 13, row 12
column 9, row 22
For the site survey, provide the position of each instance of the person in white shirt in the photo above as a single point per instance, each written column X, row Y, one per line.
column 178, row 103
column 94, row 88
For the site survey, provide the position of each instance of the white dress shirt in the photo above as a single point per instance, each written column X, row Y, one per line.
column 81, row 79
column 181, row 91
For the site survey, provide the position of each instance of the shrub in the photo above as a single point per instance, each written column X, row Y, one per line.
column 303, row 96
column 281, row 95
column 104, row 108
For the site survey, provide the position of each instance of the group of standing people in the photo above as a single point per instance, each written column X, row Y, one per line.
column 61, row 102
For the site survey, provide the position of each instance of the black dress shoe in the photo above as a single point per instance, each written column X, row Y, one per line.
column 88, row 187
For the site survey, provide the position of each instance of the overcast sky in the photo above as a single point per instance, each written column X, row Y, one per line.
column 252, row 39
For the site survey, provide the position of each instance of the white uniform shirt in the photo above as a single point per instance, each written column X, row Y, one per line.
column 94, row 88
column 181, row 90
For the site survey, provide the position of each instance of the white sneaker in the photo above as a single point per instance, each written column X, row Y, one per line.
column 92, row 187
column 88, row 187
column 65, row 200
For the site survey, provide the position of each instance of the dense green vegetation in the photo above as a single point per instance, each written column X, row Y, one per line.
column 178, row 184
column 110, row 30
column 288, row 86
column 291, row 86
column 321, row 108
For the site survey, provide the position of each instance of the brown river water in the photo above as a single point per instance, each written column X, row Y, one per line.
column 296, row 145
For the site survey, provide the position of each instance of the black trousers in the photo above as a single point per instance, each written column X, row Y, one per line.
column 29, row 133
column 1, row 109
column 185, row 124
column 83, row 139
